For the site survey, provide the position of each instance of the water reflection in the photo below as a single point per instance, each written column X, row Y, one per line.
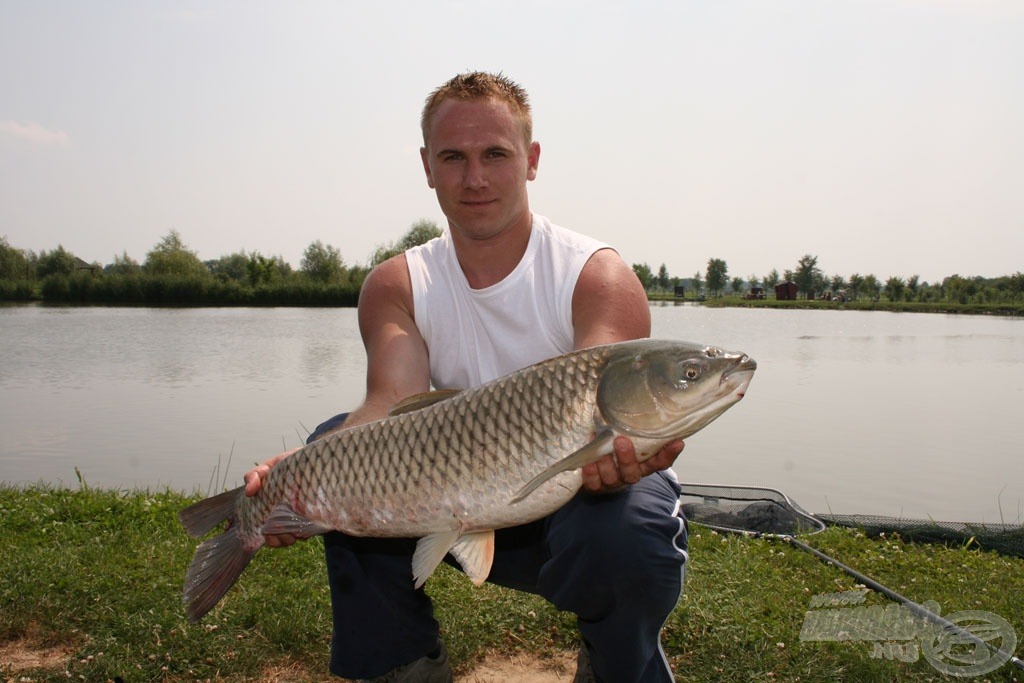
column 852, row 412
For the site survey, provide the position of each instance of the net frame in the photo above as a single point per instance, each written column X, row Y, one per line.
column 751, row 510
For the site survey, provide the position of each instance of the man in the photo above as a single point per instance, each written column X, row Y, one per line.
column 501, row 289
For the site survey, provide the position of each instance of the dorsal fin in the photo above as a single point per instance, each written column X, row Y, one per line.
column 421, row 400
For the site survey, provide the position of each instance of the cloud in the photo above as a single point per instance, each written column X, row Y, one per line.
column 34, row 133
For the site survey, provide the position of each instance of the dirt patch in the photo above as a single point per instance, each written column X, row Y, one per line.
column 22, row 655
column 522, row 668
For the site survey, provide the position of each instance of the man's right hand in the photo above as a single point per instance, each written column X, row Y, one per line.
column 254, row 482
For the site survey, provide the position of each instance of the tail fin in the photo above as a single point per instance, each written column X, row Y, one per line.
column 219, row 561
column 202, row 517
column 216, row 566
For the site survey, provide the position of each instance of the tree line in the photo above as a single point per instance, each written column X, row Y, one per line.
column 812, row 282
column 171, row 273
column 174, row 274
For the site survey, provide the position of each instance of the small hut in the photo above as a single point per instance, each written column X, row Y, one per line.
column 785, row 291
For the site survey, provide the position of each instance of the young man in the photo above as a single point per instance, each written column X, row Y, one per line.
column 501, row 289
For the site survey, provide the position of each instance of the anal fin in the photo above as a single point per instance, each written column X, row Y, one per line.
column 475, row 553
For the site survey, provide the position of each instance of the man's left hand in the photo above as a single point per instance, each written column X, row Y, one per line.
column 612, row 472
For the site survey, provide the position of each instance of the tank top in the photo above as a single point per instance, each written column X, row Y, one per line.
column 476, row 335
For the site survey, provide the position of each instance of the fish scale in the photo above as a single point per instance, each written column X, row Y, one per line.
column 450, row 472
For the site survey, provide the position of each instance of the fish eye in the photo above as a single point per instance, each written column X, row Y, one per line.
column 691, row 372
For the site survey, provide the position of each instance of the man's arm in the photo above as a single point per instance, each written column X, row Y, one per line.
column 610, row 305
column 397, row 364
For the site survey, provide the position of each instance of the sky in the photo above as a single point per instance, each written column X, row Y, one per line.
column 884, row 137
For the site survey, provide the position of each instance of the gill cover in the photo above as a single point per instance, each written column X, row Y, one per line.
column 649, row 391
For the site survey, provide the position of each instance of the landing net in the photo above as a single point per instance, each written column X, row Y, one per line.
column 754, row 510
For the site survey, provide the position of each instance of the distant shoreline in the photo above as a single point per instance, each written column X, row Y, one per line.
column 1000, row 309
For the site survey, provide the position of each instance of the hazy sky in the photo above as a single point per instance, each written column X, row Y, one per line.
column 882, row 136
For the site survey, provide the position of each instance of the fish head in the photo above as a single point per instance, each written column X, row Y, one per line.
column 668, row 389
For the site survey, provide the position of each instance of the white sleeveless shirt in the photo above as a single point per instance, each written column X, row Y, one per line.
column 476, row 335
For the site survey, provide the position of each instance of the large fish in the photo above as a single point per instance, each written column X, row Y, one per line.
column 450, row 472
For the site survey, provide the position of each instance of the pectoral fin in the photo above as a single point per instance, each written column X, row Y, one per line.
column 593, row 451
column 430, row 550
column 475, row 552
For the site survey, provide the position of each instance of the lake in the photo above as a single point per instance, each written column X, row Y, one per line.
column 852, row 412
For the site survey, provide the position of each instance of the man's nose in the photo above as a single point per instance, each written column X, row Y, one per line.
column 474, row 175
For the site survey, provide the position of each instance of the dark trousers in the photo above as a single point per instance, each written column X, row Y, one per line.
column 617, row 561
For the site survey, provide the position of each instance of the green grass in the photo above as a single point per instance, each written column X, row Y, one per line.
column 99, row 572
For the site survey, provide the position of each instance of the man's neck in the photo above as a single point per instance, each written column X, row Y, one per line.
column 489, row 261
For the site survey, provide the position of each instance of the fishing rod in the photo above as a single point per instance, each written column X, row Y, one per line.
column 767, row 513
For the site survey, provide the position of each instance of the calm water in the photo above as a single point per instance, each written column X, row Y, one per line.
column 850, row 412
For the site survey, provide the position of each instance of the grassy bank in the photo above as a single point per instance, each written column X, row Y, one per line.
column 95, row 576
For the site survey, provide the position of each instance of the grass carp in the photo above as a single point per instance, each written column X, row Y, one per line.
column 451, row 471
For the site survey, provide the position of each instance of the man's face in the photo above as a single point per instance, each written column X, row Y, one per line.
column 478, row 163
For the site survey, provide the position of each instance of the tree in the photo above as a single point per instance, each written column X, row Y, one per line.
column 122, row 265
column 643, row 273
column 663, row 280
column 837, row 282
column 770, row 280
column 422, row 231
column 171, row 257
column 871, row 286
column 233, row 267
column 264, row 270
column 56, row 262
column 807, row 275
column 698, row 282
column 856, row 285
column 717, row 273
column 14, row 264
column 894, row 288
column 737, row 285
column 322, row 262
column 913, row 286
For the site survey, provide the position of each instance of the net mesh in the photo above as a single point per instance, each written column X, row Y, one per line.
column 1007, row 539
column 753, row 510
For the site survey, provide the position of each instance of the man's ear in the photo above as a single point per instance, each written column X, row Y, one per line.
column 532, row 160
column 426, row 167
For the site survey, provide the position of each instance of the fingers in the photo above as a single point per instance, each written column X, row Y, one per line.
column 612, row 472
column 663, row 459
column 255, row 477
column 629, row 471
column 591, row 478
column 280, row 540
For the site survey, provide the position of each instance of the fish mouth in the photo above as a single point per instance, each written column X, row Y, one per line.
column 740, row 372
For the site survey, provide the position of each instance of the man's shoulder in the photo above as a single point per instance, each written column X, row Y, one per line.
column 560, row 235
column 389, row 278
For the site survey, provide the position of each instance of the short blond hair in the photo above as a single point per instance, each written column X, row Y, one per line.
column 481, row 85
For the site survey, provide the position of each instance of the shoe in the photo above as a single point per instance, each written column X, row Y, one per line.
column 584, row 671
column 430, row 669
